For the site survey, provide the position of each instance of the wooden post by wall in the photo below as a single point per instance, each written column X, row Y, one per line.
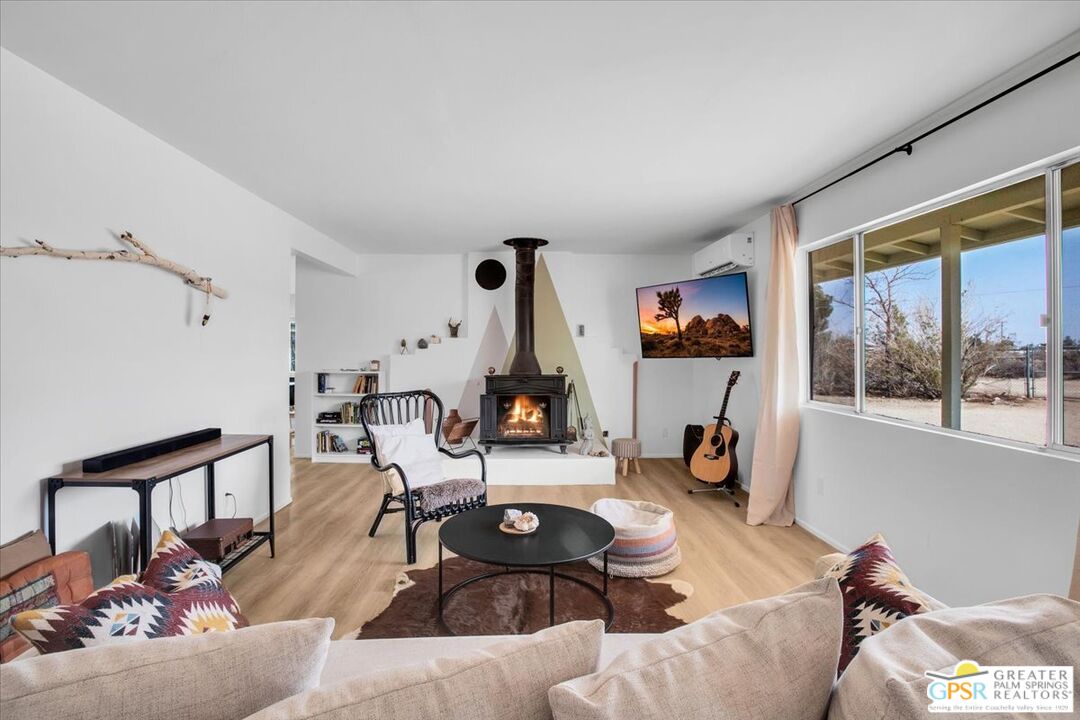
column 951, row 329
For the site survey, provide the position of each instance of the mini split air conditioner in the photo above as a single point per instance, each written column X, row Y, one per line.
column 733, row 252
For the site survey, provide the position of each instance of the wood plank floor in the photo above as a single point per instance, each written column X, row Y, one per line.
column 327, row 566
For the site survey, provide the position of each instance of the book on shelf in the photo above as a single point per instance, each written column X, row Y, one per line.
column 328, row 442
column 350, row 413
column 366, row 384
column 363, row 446
column 362, row 385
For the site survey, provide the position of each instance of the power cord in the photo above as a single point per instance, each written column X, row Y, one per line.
column 172, row 520
column 183, row 506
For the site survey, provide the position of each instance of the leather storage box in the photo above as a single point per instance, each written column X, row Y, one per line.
column 215, row 539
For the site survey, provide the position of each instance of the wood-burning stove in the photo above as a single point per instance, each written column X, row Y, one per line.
column 523, row 410
column 524, row 407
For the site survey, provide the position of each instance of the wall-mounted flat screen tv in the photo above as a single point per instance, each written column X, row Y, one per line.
column 709, row 317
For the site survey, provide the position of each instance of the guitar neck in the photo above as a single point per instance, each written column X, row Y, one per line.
column 723, row 407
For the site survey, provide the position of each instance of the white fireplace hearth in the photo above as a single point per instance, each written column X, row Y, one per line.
column 508, row 465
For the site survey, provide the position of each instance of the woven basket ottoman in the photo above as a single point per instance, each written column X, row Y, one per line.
column 645, row 541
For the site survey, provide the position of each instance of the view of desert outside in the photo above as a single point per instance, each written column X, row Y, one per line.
column 1002, row 297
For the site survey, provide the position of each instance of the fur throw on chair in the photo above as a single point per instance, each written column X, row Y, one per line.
column 449, row 492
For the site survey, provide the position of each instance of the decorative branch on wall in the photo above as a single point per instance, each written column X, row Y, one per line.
column 140, row 253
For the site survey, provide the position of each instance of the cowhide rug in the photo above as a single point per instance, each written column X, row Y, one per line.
column 517, row 604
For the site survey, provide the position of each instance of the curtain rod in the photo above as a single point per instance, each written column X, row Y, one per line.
column 908, row 147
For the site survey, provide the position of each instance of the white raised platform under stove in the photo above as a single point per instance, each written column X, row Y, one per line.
column 536, row 466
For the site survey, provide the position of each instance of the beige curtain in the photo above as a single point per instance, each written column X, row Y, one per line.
column 772, row 500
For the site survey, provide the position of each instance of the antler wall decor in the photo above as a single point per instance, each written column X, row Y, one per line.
column 140, row 253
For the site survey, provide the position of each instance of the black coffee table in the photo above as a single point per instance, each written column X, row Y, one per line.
column 565, row 535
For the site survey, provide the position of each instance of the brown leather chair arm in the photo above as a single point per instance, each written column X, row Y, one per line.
column 74, row 581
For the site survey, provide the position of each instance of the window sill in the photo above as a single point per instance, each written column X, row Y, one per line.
column 1064, row 452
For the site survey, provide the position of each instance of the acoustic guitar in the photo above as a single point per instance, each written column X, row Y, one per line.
column 714, row 461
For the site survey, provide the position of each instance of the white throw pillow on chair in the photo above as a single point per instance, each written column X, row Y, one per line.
column 379, row 433
column 416, row 455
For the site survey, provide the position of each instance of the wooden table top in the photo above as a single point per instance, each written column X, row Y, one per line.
column 169, row 464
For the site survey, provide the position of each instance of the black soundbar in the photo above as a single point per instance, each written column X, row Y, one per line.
column 120, row 458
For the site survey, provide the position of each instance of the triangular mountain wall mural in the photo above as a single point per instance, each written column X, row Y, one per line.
column 490, row 353
column 555, row 345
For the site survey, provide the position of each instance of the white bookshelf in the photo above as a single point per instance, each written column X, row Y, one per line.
column 340, row 380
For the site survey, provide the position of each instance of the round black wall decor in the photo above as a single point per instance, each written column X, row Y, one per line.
column 490, row 274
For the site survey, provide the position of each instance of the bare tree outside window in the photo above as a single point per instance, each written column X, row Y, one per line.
column 832, row 336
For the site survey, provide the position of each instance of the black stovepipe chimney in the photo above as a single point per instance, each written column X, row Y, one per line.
column 525, row 362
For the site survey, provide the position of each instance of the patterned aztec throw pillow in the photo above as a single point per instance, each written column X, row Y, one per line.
column 38, row 593
column 876, row 592
column 180, row 594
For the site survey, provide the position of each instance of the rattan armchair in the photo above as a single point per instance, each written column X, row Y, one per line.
column 397, row 409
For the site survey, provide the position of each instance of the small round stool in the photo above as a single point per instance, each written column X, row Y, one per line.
column 625, row 450
column 645, row 541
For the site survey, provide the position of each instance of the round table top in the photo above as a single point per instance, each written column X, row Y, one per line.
column 565, row 535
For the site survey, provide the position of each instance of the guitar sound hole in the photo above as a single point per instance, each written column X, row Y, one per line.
column 716, row 440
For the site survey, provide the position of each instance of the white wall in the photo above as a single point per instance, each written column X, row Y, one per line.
column 97, row 356
column 970, row 521
column 343, row 322
column 598, row 291
column 710, row 376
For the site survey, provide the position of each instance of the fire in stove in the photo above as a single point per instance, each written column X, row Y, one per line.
column 523, row 416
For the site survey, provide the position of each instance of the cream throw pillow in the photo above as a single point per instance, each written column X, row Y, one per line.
column 506, row 681
column 416, row 455
column 216, row 676
column 773, row 658
column 886, row 680
column 379, row 433
column 382, row 432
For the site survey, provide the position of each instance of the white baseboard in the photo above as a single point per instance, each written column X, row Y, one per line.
column 266, row 516
column 828, row 540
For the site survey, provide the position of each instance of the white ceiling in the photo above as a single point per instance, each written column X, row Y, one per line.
column 604, row 127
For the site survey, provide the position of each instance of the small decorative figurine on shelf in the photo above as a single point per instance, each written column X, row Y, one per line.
column 435, row 340
column 453, row 327
column 421, row 344
column 404, row 346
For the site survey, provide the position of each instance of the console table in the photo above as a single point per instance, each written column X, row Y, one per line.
column 143, row 476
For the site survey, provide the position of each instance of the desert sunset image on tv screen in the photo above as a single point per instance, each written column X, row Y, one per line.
column 696, row 318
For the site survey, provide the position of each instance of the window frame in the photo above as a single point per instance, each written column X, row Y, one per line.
column 810, row 340
column 1050, row 168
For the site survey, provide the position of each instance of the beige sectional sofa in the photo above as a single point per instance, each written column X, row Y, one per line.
column 774, row 658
